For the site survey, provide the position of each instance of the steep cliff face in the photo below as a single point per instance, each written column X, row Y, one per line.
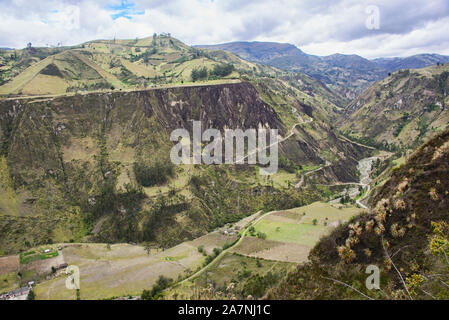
column 97, row 167
column 40, row 134
column 67, row 158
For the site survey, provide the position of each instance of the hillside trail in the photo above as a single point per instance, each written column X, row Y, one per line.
column 291, row 133
column 301, row 181
column 356, row 143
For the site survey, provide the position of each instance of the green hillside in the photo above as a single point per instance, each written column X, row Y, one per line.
column 116, row 65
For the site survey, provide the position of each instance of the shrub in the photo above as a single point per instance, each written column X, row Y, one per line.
column 31, row 295
column 261, row 235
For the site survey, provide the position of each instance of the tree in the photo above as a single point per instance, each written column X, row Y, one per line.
column 31, row 295
column 161, row 284
column 261, row 235
column 154, row 39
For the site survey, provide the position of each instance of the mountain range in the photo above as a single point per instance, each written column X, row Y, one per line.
column 350, row 75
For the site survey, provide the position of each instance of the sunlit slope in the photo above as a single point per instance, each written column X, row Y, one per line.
column 117, row 64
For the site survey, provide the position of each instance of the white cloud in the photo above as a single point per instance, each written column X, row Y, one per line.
column 317, row 26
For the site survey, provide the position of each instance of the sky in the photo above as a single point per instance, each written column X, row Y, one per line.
column 370, row 28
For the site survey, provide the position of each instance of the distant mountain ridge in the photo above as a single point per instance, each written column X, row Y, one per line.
column 413, row 62
column 350, row 75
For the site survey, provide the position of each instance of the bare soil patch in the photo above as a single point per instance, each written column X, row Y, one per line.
column 9, row 264
column 252, row 245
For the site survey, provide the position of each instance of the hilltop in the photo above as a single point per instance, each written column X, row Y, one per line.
column 115, row 65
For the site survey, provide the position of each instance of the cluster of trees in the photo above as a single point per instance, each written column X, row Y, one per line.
column 199, row 74
column 257, row 285
column 346, row 199
column 219, row 71
column 211, row 257
column 257, row 234
column 155, row 174
column 222, row 70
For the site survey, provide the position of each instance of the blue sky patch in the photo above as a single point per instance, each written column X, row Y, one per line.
column 126, row 9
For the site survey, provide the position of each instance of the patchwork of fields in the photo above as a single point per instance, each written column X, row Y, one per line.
column 289, row 235
column 281, row 240
column 271, row 244
column 124, row 269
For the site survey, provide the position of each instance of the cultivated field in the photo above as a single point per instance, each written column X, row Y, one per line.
column 123, row 269
column 289, row 235
column 8, row 273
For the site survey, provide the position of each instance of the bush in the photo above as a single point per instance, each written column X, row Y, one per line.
column 261, row 235
column 161, row 284
column 31, row 295
column 217, row 251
